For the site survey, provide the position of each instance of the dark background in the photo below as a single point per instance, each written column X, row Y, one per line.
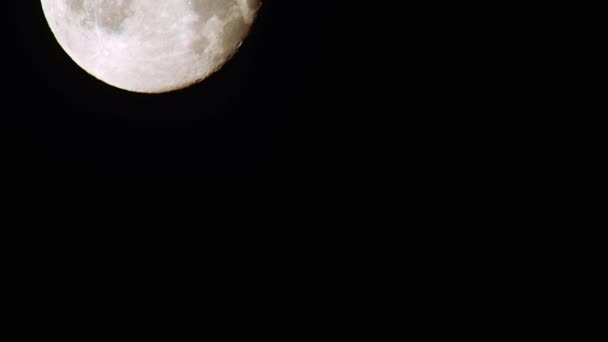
column 274, row 112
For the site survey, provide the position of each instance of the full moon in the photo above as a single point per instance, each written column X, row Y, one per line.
column 150, row 46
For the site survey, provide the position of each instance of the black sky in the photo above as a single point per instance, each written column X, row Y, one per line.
column 270, row 111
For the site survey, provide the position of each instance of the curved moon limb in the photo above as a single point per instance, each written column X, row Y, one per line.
column 150, row 46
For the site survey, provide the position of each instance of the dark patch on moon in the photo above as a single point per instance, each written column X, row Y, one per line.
column 112, row 13
column 206, row 9
column 234, row 33
column 76, row 5
column 106, row 14
column 234, row 30
column 199, row 44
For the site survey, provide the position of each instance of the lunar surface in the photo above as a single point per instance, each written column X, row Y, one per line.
column 150, row 46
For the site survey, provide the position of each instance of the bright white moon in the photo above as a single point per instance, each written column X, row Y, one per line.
column 150, row 46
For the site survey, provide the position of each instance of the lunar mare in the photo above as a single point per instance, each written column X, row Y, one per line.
column 150, row 46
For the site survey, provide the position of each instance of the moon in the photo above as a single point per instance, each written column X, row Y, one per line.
column 150, row 46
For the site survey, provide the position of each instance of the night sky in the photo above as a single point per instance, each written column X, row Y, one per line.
column 270, row 112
